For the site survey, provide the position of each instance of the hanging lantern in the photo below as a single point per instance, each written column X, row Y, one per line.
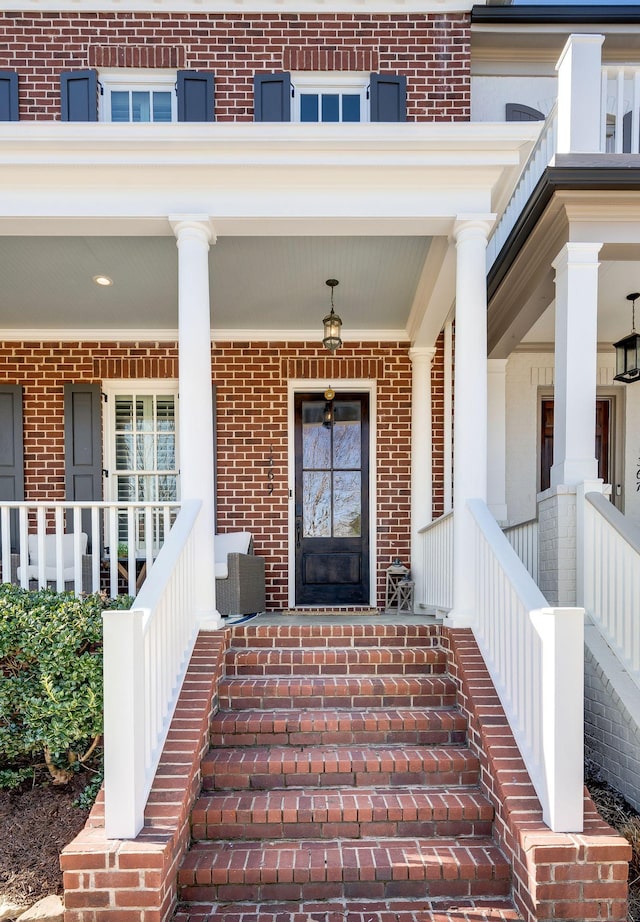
column 628, row 349
column 332, row 324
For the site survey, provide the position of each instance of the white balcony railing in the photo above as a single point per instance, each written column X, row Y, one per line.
column 437, row 564
column 43, row 544
column 539, row 159
column 620, row 109
column 612, row 578
column 523, row 538
column 534, row 654
column 146, row 654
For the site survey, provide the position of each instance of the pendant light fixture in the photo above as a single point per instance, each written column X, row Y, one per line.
column 628, row 349
column 332, row 324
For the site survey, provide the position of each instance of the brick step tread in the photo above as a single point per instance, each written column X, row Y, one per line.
column 337, row 691
column 341, row 813
column 361, row 910
column 371, row 634
column 319, row 766
column 376, row 869
column 336, row 661
column 295, row 727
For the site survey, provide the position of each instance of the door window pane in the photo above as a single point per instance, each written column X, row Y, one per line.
column 347, row 436
column 316, row 438
column 347, row 513
column 316, row 504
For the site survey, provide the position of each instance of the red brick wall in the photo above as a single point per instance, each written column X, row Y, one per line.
column 252, row 423
column 432, row 51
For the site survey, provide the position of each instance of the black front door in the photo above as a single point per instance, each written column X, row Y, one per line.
column 332, row 499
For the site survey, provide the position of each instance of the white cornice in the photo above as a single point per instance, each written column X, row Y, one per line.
column 210, row 7
column 218, row 336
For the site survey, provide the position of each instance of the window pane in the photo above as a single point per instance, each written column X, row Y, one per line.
column 309, row 107
column 144, row 453
column 316, row 504
column 126, row 489
column 124, row 452
column 166, row 452
column 144, row 413
column 167, row 488
column 120, row 106
column 140, row 108
column 330, row 107
column 346, row 435
column 161, row 107
column 166, row 414
column 316, row 439
column 346, row 504
column 147, row 491
column 124, row 413
column 350, row 107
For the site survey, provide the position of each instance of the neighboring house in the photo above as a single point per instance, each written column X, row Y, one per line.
column 179, row 182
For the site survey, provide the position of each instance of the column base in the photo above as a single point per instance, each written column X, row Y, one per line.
column 459, row 619
column 210, row 621
column 557, row 551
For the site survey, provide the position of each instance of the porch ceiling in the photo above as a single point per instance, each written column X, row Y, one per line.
column 257, row 283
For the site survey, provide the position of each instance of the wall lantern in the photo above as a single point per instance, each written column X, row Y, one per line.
column 628, row 349
column 332, row 324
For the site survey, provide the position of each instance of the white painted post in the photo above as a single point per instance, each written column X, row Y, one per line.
column 194, row 234
column 470, row 416
column 584, row 542
column 561, row 633
column 421, row 460
column 448, row 417
column 579, row 89
column 124, row 716
column 576, row 352
column 497, row 438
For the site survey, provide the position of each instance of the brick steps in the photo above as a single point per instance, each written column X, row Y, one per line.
column 498, row 910
column 286, row 766
column 339, row 786
column 341, row 813
column 443, row 727
column 350, row 661
column 372, row 869
column 337, row 692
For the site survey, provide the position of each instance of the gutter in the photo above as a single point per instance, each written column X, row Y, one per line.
column 556, row 14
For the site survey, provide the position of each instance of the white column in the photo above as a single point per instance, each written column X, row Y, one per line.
column 497, row 438
column 421, row 459
column 579, row 88
column 576, row 351
column 470, row 411
column 194, row 235
column 448, row 417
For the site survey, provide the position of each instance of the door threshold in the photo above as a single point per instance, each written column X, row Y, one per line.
column 332, row 610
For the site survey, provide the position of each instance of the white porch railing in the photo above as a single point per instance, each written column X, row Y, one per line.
column 42, row 544
column 539, row 159
column 534, row 654
column 437, row 563
column 620, row 109
column 612, row 578
column 146, row 654
column 523, row 538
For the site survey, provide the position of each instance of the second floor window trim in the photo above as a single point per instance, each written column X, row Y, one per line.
column 330, row 97
column 137, row 95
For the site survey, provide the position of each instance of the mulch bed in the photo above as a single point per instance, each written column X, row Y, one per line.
column 36, row 824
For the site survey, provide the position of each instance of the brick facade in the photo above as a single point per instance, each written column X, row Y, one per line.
column 252, row 427
column 432, row 51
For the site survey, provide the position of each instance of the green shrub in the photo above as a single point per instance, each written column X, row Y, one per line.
column 50, row 680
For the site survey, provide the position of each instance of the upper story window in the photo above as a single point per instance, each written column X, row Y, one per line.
column 327, row 98
column 138, row 96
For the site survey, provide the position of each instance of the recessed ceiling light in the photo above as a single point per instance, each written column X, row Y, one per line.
column 103, row 280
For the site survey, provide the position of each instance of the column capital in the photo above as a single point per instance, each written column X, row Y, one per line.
column 469, row 226
column 422, row 354
column 196, row 224
column 577, row 254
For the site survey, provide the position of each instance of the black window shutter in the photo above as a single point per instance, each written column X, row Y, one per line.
column 517, row 112
column 272, row 97
column 79, row 96
column 627, row 119
column 388, row 98
column 83, row 442
column 195, row 96
column 11, row 453
column 8, row 96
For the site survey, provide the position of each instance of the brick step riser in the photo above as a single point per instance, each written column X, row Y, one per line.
column 298, row 829
column 231, row 699
column 278, row 637
column 399, row 661
column 332, row 738
column 275, row 670
column 370, row 889
column 361, row 910
column 267, row 781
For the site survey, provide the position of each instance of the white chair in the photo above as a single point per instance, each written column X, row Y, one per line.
column 51, row 561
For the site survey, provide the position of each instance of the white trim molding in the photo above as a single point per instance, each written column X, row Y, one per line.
column 242, row 6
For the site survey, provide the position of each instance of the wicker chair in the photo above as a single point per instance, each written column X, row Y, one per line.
column 50, row 571
column 239, row 575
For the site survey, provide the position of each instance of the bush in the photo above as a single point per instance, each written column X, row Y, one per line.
column 50, row 680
